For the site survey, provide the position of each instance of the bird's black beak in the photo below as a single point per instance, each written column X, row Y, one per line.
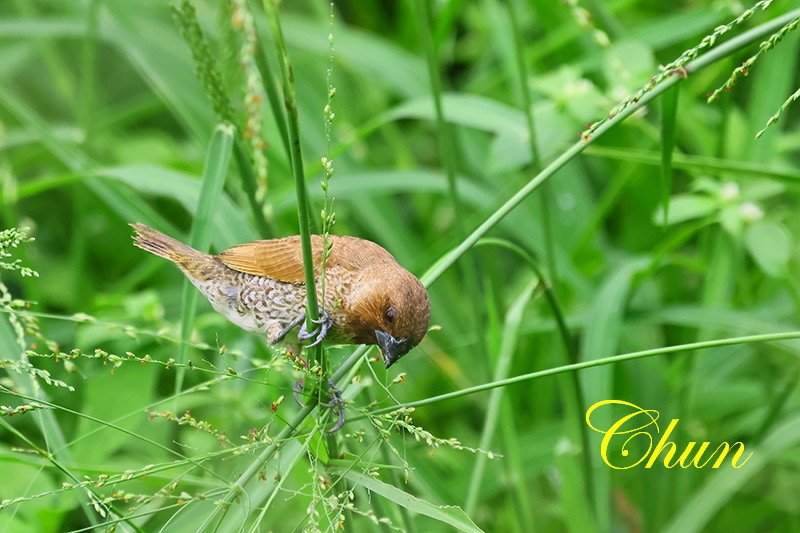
column 391, row 348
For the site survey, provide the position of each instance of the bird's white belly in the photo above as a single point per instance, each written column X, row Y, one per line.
column 224, row 303
column 246, row 321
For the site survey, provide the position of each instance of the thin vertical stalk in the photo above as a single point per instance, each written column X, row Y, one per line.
column 273, row 97
column 290, row 103
column 536, row 162
column 669, row 112
column 304, row 221
column 88, row 54
column 448, row 146
column 445, row 137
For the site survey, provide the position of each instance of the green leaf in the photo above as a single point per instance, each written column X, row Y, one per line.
column 371, row 183
column 602, row 338
column 503, row 367
column 685, row 207
column 380, row 61
column 474, row 111
column 162, row 60
column 447, row 514
column 770, row 246
column 216, row 169
column 230, row 223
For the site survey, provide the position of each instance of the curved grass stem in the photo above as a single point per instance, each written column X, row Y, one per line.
column 749, row 339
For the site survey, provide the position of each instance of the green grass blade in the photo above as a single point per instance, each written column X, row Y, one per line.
column 127, row 206
column 274, row 97
column 450, row 515
column 669, row 114
column 578, row 510
column 230, row 224
column 216, row 169
column 384, row 63
column 702, row 164
column 601, row 339
column 508, row 346
column 448, row 143
column 161, row 59
column 572, row 391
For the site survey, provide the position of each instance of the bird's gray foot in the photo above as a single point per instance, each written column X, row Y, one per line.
column 293, row 324
column 336, row 404
column 324, row 323
column 297, row 390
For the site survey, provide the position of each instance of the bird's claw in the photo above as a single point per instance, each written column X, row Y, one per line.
column 319, row 333
column 336, row 403
column 289, row 327
column 297, row 389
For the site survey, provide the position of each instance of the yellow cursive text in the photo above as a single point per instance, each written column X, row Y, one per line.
column 638, row 426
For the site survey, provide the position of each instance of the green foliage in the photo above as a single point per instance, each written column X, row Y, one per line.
column 652, row 258
column 206, row 66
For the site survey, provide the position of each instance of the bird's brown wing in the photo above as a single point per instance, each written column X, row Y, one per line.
column 282, row 259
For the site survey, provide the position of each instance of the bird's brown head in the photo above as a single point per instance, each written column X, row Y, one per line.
column 391, row 309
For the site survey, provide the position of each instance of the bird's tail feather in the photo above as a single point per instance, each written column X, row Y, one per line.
column 157, row 243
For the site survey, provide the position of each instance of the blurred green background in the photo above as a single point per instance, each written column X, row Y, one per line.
column 104, row 120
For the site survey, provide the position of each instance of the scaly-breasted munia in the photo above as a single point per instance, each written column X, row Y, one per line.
column 260, row 287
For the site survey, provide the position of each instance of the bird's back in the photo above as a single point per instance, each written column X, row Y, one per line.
column 282, row 259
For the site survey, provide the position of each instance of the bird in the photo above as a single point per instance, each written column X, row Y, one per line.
column 260, row 286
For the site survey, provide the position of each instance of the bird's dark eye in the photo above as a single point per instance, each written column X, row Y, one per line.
column 390, row 313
